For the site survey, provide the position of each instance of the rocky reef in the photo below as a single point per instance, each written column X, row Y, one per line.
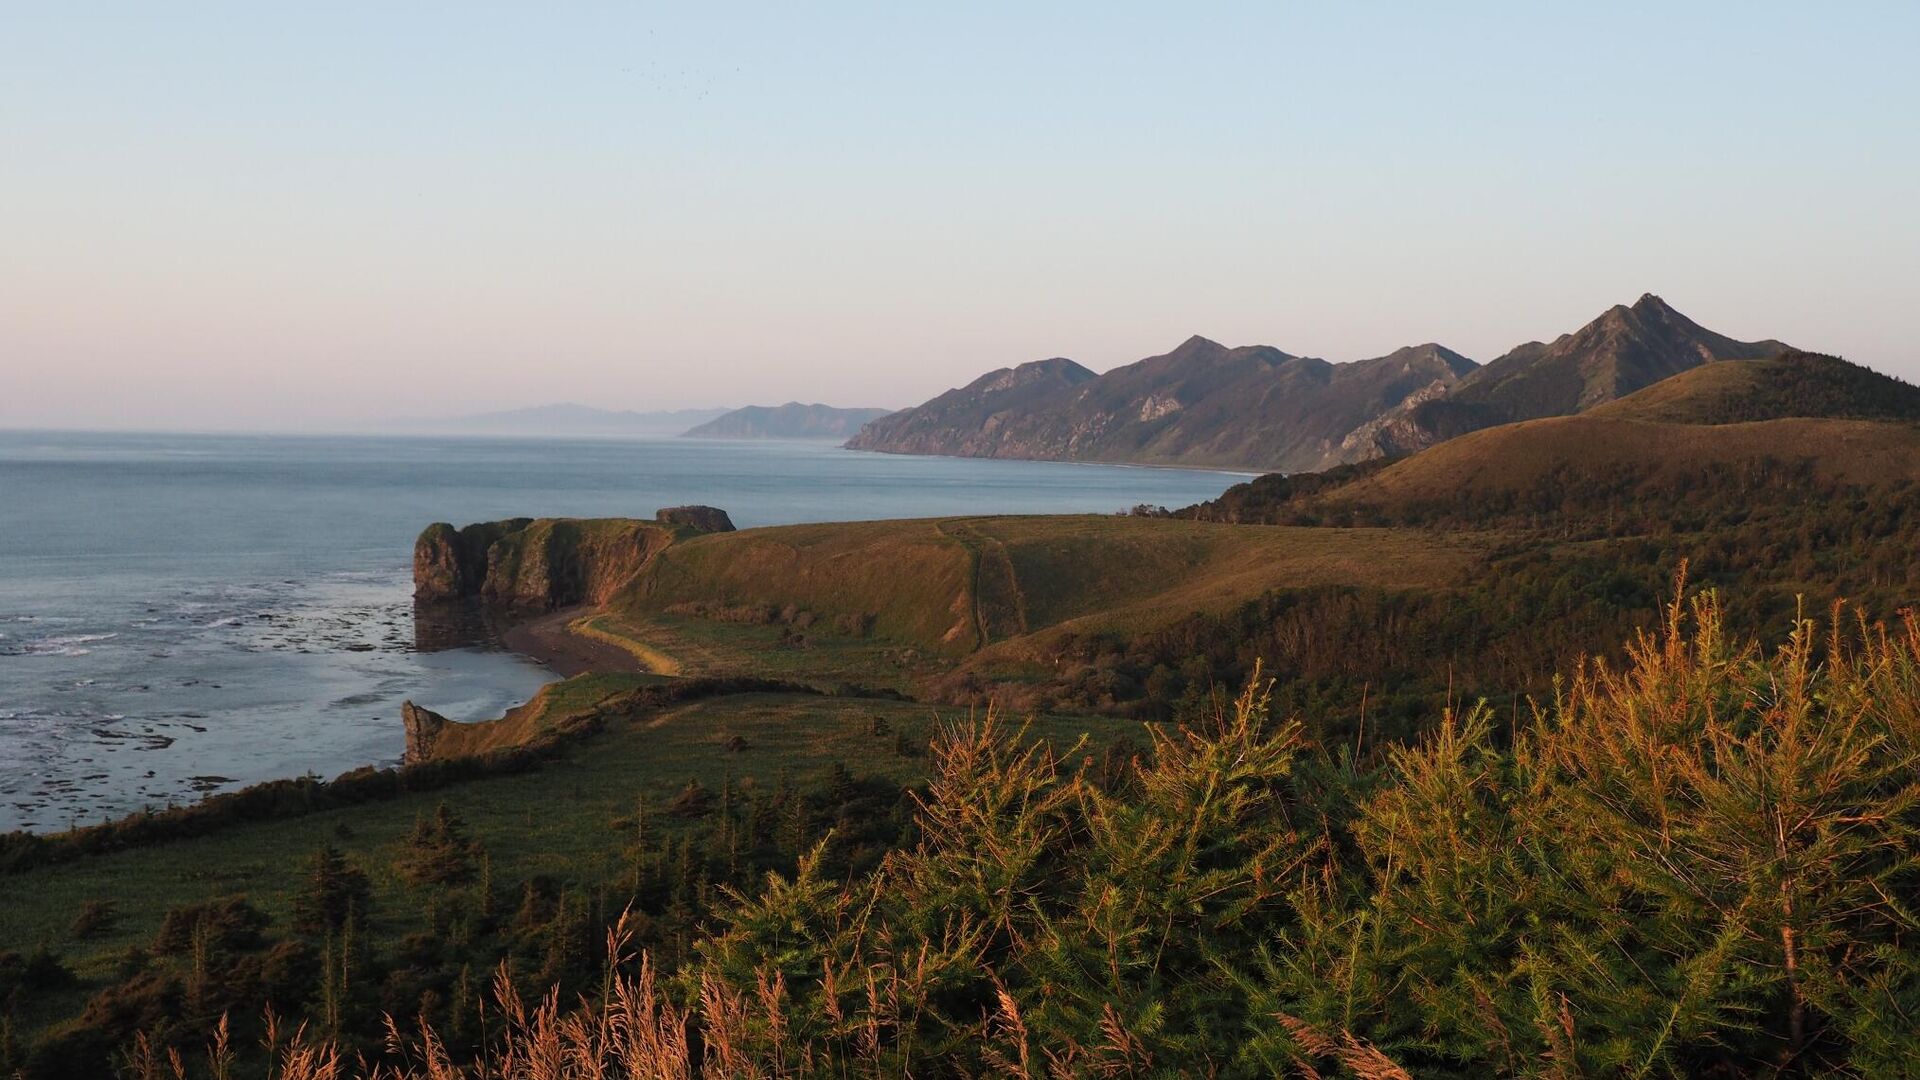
column 545, row 563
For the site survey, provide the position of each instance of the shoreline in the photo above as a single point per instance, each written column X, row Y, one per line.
column 1219, row 470
column 550, row 640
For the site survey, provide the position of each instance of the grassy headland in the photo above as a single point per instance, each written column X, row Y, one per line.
column 1487, row 803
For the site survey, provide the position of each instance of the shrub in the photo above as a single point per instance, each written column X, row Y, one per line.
column 95, row 917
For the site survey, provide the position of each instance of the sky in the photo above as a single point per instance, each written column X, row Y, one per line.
column 276, row 216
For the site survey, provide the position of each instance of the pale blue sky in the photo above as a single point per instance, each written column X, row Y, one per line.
column 258, row 215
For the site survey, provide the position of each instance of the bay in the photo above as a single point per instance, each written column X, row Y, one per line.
column 186, row 614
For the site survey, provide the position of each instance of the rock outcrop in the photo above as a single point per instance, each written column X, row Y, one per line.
column 423, row 727
column 545, row 563
column 700, row 518
column 450, row 563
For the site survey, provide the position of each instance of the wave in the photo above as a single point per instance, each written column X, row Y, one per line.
column 61, row 645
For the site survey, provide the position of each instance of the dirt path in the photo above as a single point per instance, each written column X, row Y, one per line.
column 993, row 580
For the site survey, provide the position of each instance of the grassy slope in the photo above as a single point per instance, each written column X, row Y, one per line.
column 557, row 820
column 1796, row 384
column 941, row 590
column 909, row 575
column 1137, row 572
column 1851, row 423
column 1686, row 397
column 1514, row 456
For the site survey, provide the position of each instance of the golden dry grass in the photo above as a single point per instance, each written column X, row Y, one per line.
column 1514, row 456
column 909, row 575
column 1680, row 399
column 954, row 585
column 610, row 629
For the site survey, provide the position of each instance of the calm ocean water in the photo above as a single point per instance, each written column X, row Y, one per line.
column 184, row 614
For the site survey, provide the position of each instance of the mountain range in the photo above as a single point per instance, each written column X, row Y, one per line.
column 790, row 421
column 1207, row 405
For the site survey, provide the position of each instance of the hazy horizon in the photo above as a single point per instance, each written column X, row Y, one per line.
column 237, row 218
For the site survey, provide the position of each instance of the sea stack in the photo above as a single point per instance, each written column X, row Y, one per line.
column 703, row 518
column 423, row 727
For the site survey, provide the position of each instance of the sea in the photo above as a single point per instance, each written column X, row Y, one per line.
column 187, row 614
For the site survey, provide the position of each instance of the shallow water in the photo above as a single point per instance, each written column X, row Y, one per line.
column 184, row 614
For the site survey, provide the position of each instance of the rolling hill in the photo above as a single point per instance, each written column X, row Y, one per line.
column 1792, row 384
column 954, row 585
column 1778, row 424
column 790, row 421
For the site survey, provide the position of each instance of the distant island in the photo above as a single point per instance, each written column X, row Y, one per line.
column 790, row 421
column 568, row 418
column 1208, row 405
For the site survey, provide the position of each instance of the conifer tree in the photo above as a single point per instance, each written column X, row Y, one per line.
column 335, row 891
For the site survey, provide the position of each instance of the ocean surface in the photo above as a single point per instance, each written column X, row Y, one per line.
column 186, row 614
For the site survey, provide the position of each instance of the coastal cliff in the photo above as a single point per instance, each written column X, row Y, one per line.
column 548, row 563
column 449, row 563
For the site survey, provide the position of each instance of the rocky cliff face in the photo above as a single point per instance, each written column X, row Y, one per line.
column 548, row 563
column 423, row 727
column 450, row 563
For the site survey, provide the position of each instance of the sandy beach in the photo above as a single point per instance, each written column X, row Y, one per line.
column 548, row 640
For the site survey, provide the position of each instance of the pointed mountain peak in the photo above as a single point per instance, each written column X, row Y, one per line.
column 1196, row 343
column 1646, row 314
column 1651, row 308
